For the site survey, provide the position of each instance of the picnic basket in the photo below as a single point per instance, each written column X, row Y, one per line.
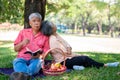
column 47, row 71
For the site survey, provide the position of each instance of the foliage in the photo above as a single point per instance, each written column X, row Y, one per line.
column 11, row 10
column 100, row 5
column 76, row 14
column 107, row 73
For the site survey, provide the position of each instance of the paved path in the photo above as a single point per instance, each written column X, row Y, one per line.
column 81, row 44
column 93, row 44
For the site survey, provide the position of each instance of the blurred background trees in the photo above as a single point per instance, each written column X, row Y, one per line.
column 32, row 6
column 11, row 11
column 99, row 17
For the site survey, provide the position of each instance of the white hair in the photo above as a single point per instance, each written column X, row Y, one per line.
column 35, row 15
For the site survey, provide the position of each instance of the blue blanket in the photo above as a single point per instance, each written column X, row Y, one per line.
column 8, row 71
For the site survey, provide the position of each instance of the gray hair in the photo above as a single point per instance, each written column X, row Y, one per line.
column 35, row 15
column 50, row 23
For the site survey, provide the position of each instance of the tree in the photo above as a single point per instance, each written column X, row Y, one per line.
column 33, row 6
column 78, row 12
column 100, row 13
column 108, row 11
column 11, row 11
column 112, row 12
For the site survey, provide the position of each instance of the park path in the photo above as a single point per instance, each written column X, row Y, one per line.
column 94, row 44
column 79, row 43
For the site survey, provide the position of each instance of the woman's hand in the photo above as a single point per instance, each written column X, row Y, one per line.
column 69, row 52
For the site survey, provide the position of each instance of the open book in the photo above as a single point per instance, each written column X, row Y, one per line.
column 35, row 53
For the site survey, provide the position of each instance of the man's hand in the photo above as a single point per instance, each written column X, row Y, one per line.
column 25, row 41
column 21, row 44
column 41, row 57
column 37, row 56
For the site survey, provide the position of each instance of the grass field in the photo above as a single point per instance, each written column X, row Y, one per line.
column 7, row 54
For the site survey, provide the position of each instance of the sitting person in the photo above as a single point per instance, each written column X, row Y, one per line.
column 72, row 61
column 30, row 41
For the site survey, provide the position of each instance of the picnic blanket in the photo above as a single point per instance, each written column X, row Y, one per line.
column 8, row 71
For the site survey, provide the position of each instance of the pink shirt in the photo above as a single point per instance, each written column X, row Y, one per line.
column 39, row 41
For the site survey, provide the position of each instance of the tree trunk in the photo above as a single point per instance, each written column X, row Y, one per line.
column 99, row 26
column 73, row 27
column 112, row 33
column 33, row 6
column 83, row 28
column 84, row 22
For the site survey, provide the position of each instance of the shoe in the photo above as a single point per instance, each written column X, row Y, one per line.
column 114, row 64
column 16, row 76
column 19, row 76
column 27, row 77
column 76, row 67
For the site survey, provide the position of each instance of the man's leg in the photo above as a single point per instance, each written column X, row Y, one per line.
column 34, row 66
column 20, row 65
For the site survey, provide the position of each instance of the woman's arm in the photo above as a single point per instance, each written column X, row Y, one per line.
column 57, row 42
column 65, row 44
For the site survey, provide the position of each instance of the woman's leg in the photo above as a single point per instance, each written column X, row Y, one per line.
column 34, row 66
column 20, row 65
column 82, row 61
column 89, row 62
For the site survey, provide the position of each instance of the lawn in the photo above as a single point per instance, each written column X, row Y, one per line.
column 7, row 54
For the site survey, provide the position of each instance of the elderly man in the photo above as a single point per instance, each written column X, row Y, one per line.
column 30, row 39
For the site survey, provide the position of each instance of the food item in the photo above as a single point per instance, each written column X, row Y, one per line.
column 56, row 67
column 62, row 68
column 53, row 67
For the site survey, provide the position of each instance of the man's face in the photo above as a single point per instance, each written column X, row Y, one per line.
column 35, row 23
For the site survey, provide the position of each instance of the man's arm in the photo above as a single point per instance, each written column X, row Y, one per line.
column 18, row 46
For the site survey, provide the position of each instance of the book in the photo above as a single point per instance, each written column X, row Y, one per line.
column 35, row 53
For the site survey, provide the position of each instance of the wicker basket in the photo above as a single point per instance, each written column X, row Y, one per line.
column 54, row 72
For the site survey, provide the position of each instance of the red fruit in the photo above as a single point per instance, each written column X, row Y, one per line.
column 62, row 68
column 58, row 69
column 53, row 67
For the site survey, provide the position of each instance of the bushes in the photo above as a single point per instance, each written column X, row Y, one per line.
column 10, row 27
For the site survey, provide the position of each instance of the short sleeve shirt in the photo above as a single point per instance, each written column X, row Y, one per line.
column 38, row 41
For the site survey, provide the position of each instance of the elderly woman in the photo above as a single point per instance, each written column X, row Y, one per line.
column 76, row 62
column 30, row 40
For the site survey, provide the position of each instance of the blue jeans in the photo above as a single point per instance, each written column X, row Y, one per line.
column 30, row 67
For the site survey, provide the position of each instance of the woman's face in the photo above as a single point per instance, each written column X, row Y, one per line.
column 35, row 23
column 54, row 28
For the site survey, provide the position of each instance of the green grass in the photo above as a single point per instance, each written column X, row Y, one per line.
column 7, row 54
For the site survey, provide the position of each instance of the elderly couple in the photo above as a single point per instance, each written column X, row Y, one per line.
column 42, row 36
